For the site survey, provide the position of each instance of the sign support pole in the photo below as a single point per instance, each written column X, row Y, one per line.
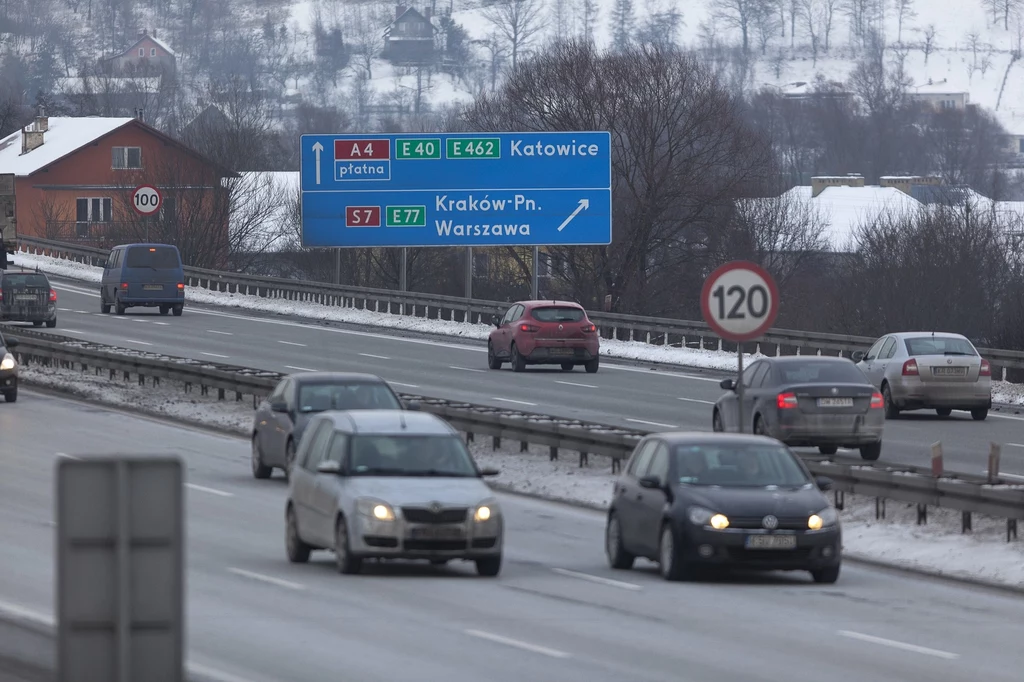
column 536, row 279
column 337, row 266
column 403, row 274
column 741, row 427
column 469, row 272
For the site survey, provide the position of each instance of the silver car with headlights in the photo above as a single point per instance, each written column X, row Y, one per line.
column 390, row 484
column 928, row 370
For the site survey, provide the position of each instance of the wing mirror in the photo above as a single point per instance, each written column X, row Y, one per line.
column 858, row 355
column 328, row 467
column 496, row 321
column 490, row 471
column 650, row 482
column 278, row 406
column 824, row 483
column 728, row 384
column 11, row 342
column 412, row 405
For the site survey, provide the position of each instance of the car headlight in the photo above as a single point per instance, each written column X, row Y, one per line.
column 699, row 516
column 8, row 362
column 376, row 509
column 823, row 519
column 485, row 511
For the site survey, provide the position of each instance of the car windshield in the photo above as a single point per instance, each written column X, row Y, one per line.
column 156, row 257
column 939, row 345
column 350, row 396
column 26, row 280
column 810, row 372
column 558, row 314
column 417, row 455
column 739, row 465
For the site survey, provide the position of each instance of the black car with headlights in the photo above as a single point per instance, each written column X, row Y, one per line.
column 705, row 500
column 8, row 368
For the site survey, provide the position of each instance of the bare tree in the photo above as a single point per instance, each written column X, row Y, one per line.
column 813, row 15
column 928, row 44
column 590, row 11
column 741, row 15
column 661, row 25
column 366, row 22
column 974, row 44
column 766, row 24
column 1004, row 10
column 517, row 22
column 904, row 11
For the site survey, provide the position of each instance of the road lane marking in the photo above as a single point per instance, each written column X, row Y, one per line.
column 1014, row 445
column 899, row 645
column 64, row 310
column 526, row 646
column 697, row 400
column 299, row 369
column 292, row 343
column 399, row 383
column 266, row 579
column 517, row 402
column 84, row 312
column 73, row 331
column 64, row 455
column 212, row 491
column 162, row 324
column 465, row 369
column 662, row 373
column 371, row 355
column 141, row 343
column 214, row 331
column 215, row 355
column 597, row 579
column 643, row 421
column 1015, row 477
column 573, row 383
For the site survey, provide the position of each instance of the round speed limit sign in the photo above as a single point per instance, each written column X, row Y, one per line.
column 146, row 199
column 740, row 301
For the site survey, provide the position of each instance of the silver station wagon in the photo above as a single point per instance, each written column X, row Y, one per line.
column 390, row 484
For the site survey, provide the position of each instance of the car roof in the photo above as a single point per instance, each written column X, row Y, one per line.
column 712, row 438
column 23, row 271
column 336, row 378
column 539, row 304
column 144, row 244
column 946, row 335
column 389, row 422
column 797, row 359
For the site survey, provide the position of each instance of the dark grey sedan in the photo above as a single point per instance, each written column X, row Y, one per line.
column 283, row 416
column 814, row 401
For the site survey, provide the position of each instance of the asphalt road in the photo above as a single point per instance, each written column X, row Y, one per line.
column 622, row 393
column 556, row 612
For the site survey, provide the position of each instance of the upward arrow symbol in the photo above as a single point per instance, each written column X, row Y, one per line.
column 584, row 205
column 317, row 148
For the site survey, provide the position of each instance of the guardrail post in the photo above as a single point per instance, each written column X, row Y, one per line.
column 965, row 522
column 1011, row 529
column 584, row 461
column 552, row 453
column 879, row 508
column 495, row 442
column 839, row 498
column 616, row 465
column 922, row 514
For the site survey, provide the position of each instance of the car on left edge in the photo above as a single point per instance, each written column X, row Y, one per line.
column 390, row 484
column 8, row 368
column 27, row 296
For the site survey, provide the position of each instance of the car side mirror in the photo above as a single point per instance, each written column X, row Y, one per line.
column 412, row 405
column 328, row 467
column 11, row 342
column 650, row 482
column 728, row 384
column 858, row 355
column 496, row 321
column 490, row 471
column 824, row 483
column 278, row 406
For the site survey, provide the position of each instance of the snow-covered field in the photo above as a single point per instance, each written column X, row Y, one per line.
column 1002, row 392
column 937, row 547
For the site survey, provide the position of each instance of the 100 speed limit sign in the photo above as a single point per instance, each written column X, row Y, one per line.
column 740, row 301
column 146, row 199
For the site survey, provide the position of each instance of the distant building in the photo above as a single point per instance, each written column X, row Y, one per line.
column 1013, row 122
column 940, row 96
column 409, row 40
column 803, row 91
column 147, row 56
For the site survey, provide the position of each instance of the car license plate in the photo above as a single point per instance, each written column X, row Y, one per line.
column 436, row 533
column 154, row 287
column 561, row 351
column 25, row 297
column 835, row 402
column 949, row 371
column 771, row 542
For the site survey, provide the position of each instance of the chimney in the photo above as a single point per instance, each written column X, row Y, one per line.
column 822, row 182
column 30, row 139
column 42, row 122
column 426, row 13
column 140, row 115
column 400, row 10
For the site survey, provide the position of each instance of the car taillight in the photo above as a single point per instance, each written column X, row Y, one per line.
column 181, row 286
column 786, row 401
column 528, row 328
column 53, row 296
column 986, row 369
column 589, row 328
column 910, row 368
column 877, row 401
column 124, row 285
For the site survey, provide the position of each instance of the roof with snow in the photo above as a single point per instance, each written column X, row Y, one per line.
column 1012, row 120
column 154, row 39
column 65, row 135
column 845, row 209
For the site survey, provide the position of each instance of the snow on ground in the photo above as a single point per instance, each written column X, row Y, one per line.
column 1002, row 392
column 937, row 547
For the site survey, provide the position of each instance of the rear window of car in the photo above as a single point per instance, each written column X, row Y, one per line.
column 939, row 345
column 811, row 372
column 27, row 280
column 351, row 396
column 558, row 314
column 159, row 257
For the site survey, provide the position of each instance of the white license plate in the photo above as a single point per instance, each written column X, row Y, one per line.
column 154, row 287
column 949, row 371
column 25, row 297
column 561, row 351
column 436, row 533
column 835, row 402
column 771, row 542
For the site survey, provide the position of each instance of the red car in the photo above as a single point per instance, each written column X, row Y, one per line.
column 544, row 333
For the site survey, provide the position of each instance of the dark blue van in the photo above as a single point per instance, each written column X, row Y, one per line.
column 145, row 275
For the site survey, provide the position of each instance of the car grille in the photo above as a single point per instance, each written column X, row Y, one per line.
column 769, row 556
column 785, row 522
column 437, row 545
column 422, row 515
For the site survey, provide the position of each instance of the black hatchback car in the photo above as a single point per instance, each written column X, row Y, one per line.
column 704, row 500
column 26, row 296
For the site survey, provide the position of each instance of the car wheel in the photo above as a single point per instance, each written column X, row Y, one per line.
column 492, row 360
column 289, row 458
column 671, row 567
column 298, row 551
column 518, row 363
column 489, row 567
column 979, row 414
column 891, row 411
column 118, row 308
column 104, row 308
column 178, row 310
column 11, row 396
column 259, row 469
column 164, row 309
column 826, row 575
column 567, row 366
column 871, row 452
column 828, row 449
column 592, row 365
column 37, row 323
column 943, row 411
column 759, row 428
column 347, row 563
column 51, row 323
column 716, row 422
column 617, row 556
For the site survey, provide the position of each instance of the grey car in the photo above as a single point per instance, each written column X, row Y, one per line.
column 815, row 401
column 387, row 484
column 928, row 370
column 281, row 419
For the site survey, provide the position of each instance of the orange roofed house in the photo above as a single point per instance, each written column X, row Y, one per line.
column 75, row 178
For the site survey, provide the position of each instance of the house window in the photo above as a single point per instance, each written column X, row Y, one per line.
column 127, row 157
column 142, row 52
column 152, row 52
column 92, row 210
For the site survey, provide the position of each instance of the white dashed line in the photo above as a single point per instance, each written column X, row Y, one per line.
column 517, row 402
column 64, row 455
column 214, row 331
column 399, row 383
column 643, row 421
column 212, row 491
column 465, row 369
column 696, row 400
column 299, row 369
column 292, row 343
column 84, row 312
column 266, row 579
column 526, row 646
column 899, row 645
column 141, row 343
column 215, row 355
column 597, row 579
column 371, row 355
column 573, row 383
column 73, row 331
column 162, row 324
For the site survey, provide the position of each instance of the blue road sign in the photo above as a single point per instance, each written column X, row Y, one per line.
column 465, row 189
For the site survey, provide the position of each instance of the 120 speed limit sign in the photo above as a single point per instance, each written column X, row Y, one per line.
column 740, row 301
column 146, row 199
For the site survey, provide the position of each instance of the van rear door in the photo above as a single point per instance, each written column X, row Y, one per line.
column 152, row 271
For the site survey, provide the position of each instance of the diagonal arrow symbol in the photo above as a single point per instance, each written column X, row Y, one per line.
column 317, row 148
column 584, row 204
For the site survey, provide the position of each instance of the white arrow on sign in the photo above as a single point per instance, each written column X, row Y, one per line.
column 584, row 204
column 317, row 148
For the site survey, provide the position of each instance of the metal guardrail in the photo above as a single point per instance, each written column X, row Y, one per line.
column 651, row 330
column 970, row 494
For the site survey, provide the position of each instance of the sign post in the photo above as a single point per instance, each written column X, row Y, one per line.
column 740, row 302
column 146, row 199
column 456, row 190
